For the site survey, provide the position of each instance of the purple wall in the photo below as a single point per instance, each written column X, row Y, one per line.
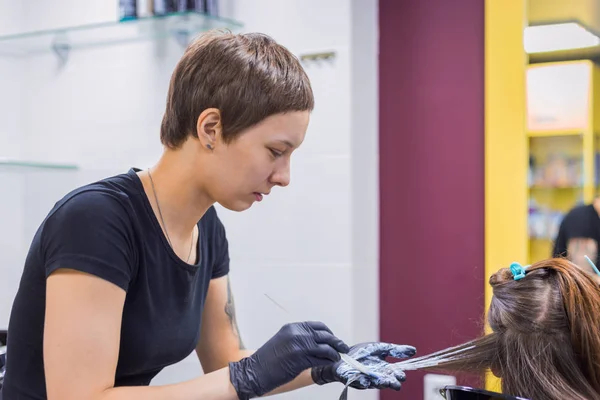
column 431, row 175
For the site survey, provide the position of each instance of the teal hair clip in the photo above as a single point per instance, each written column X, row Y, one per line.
column 592, row 265
column 518, row 270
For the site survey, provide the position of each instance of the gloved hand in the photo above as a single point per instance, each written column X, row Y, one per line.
column 295, row 348
column 372, row 355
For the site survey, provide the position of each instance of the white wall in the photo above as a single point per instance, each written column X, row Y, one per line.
column 11, row 184
column 313, row 246
column 364, row 133
column 11, row 95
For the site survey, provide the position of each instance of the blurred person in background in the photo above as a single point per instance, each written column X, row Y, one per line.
column 579, row 236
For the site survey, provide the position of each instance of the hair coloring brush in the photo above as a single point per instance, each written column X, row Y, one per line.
column 345, row 357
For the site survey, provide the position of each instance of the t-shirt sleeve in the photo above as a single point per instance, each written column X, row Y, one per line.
column 91, row 232
column 560, row 243
column 221, row 246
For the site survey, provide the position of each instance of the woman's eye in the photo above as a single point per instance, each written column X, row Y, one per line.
column 276, row 153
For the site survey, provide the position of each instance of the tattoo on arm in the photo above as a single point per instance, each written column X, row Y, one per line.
column 230, row 311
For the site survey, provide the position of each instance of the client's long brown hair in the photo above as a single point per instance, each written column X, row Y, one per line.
column 546, row 334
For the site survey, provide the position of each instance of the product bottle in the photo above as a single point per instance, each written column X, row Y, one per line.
column 212, row 7
column 164, row 7
column 145, row 8
column 185, row 5
column 196, row 5
column 127, row 10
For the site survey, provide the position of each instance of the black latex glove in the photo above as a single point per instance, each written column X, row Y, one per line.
column 295, row 348
column 372, row 355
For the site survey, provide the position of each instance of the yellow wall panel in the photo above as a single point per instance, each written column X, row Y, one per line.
column 506, row 151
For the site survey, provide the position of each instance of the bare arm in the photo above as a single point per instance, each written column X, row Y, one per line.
column 81, row 346
column 220, row 339
column 578, row 248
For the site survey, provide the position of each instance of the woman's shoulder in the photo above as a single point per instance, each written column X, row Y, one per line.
column 114, row 196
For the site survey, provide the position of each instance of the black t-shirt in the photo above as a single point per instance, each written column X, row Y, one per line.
column 581, row 222
column 108, row 229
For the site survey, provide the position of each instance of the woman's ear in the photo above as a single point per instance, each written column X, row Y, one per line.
column 209, row 127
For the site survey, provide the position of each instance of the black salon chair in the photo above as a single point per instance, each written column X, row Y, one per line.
column 468, row 393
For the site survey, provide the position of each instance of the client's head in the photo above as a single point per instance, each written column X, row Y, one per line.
column 546, row 334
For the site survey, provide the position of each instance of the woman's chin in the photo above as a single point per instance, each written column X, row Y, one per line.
column 237, row 206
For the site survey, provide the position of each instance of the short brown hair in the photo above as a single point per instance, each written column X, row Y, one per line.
column 248, row 77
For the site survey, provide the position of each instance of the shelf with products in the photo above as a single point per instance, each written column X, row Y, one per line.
column 556, row 184
column 182, row 26
column 562, row 121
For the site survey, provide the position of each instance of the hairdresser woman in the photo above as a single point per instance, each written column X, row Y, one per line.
column 123, row 271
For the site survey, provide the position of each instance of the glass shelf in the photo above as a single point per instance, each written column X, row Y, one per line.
column 11, row 163
column 556, row 132
column 182, row 26
column 543, row 187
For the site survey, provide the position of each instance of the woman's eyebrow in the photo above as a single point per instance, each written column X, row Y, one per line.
column 287, row 143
